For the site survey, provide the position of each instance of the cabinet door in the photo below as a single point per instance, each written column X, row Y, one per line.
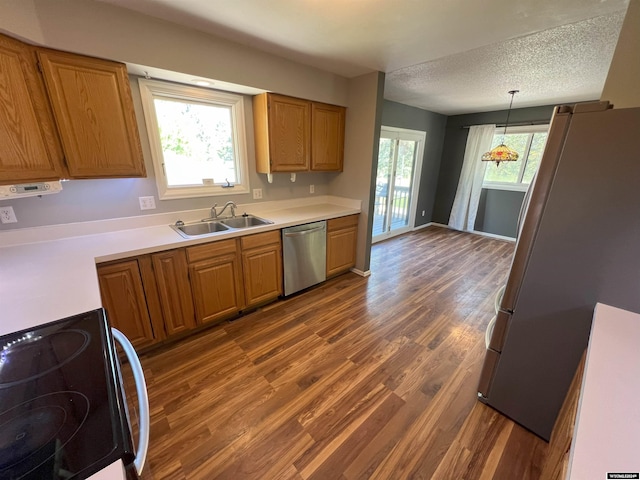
column 262, row 268
column 93, row 108
column 217, row 287
column 29, row 147
column 289, row 133
column 174, row 290
column 124, row 300
column 342, row 238
column 327, row 137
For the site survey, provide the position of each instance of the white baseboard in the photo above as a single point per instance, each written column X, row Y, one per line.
column 476, row 232
column 428, row 224
column 361, row 273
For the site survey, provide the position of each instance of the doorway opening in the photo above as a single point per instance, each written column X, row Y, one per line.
column 397, row 181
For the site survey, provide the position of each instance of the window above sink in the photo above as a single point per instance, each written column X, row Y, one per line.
column 197, row 139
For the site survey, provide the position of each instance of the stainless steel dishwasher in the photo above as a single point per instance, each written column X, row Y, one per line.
column 304, row 251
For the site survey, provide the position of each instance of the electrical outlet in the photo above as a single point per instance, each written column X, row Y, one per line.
column 147, row 203
column 7, row 215
column 423, row 213
column 312, row 188
column 257, row 193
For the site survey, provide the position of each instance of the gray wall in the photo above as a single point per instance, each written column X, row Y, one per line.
column 402, row 116
column 497, row 207
column 498, row 212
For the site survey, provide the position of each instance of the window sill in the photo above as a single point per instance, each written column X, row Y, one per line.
column 512, row 187
column 202, row 192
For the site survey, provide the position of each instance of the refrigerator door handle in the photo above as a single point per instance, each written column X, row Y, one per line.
column 499, row 331
column 143, row 399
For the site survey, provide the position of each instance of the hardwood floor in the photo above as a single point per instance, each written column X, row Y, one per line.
column 360, row 378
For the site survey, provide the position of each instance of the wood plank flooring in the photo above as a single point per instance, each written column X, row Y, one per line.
column 360, row 378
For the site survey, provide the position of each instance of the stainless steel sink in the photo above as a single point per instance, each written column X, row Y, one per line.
column 245, row 221
column 199, row 228
column 209, row 226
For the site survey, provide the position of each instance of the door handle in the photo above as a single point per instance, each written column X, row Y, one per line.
column 143, row 399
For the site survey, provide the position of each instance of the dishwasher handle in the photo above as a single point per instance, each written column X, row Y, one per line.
column 303, row 232
column 143, row 399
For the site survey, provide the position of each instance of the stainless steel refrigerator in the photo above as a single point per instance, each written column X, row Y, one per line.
column 579, row 244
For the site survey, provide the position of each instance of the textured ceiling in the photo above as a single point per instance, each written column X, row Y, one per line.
column 559, row 65
column 449, row 57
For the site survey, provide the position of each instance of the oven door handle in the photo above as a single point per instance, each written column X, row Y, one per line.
column 143, row 399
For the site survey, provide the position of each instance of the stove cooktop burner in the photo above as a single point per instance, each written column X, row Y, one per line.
column 33, row 356
column 35, row 432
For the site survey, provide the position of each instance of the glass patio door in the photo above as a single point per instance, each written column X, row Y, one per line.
column 397, row 179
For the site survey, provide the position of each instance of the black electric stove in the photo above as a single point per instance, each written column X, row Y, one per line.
column 62, row 413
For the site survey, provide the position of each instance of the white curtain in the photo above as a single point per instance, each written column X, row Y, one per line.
column 465, row 205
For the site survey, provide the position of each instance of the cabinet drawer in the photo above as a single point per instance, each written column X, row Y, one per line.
column 260, row 239
column 209, row 250
column 342, row 222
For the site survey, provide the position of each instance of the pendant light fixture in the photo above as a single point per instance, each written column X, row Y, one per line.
column 502, row 153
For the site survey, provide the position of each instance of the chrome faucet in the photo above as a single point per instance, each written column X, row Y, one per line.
column 229, row 204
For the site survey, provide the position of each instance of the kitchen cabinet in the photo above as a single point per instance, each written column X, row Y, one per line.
column 297, row 135
column 282, row 129
column 124, row 299
column 93, row 109
column 64, row 116
column 342, row 237
column 174, row 290
column 216, row 280
column 262, row 267
column 29, row 145
column 327, row 137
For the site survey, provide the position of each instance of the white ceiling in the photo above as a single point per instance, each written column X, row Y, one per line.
column 449, row 57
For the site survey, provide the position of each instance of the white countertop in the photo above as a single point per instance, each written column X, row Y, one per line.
column 49, row 273
column 608, row 421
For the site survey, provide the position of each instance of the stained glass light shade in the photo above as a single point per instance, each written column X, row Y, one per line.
column 501, row 153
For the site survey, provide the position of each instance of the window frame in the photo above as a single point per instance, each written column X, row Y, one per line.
column 517, row 186
column 151, row 89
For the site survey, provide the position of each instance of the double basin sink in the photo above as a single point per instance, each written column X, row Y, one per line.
column 209, row 226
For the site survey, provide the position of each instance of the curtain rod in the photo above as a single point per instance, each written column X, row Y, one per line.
column 517, row 124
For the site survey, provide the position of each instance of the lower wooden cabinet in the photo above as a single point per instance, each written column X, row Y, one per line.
column 262, row 267
column 216, row 280
column 124, row 299
column 161, row 295
column 342, row 238
column 174, row 290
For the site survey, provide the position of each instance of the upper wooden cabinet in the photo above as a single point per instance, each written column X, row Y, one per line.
column 296, row 135
column 72, row 119
column 29, row 147
column 327, row 137
column 93, row 108
column 282, row 129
